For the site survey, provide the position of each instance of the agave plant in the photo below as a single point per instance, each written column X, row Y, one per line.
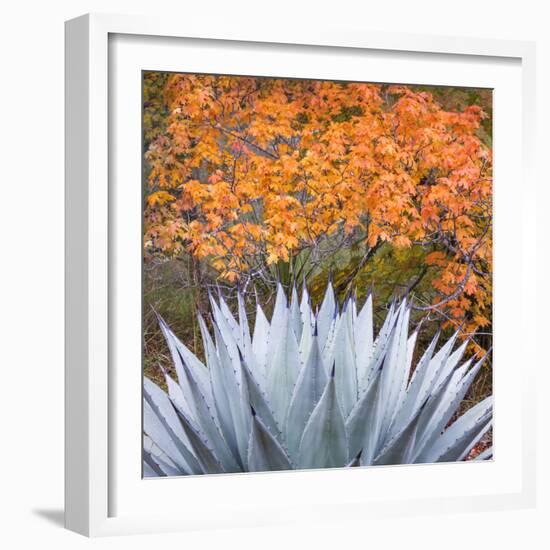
column 309, row 390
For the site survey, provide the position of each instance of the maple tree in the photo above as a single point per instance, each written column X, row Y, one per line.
column 260, row 176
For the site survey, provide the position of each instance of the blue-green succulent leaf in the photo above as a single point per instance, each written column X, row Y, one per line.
column 260, row 402
column 160, row 423
column 487, row 454
column 260, row 340
column 205, row 455
column 310, row 385
column 364, row 340
column 210, row 429
column 365, row 421
column 324, row 443
column 459, row 438
column 283, row 371
column 326, row 314
column 265, row 453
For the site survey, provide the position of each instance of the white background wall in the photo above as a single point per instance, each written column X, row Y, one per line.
column 31, row 268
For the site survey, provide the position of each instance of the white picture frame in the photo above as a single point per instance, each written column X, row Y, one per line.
column 102, row 497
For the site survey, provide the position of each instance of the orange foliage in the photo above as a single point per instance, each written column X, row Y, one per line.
column 254, row 170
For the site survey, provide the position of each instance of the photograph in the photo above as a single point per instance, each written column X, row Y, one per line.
column 278, row 274
column 317, row 274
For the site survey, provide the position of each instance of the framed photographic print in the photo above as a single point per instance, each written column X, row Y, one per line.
column 288, row 285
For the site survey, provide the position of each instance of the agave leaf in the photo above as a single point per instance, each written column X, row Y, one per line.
column 219, row 397
column 431, row 375
column 168, row 468
column 205, row 456
column 160, row 467
column 451, row 362
column 487, row 454
column 162, row 402
column 328, row 344
column 306, row 341
column 395, row 373
column 208, row 424
column 411, row 343
column 260, row 341
column 245, row 414
column 243, row 323
column 442, row 405
column 176, row 394
column 247, row 349
column 148, row 471
column 209, row 347
column 400, row 449
column 150, row 446
column 324, row 442
column 459, row 438
column 353, row 302
column 327, row 314
column 364, row 338
column 462, row 446
column 364, row 422
column 283, row 372
column 380, row 347
column 397, row 422
column 181, row 353
column 161, row 424
column 222, row 407
column 310, row 385
column 423, row 386
column 306, row 314
column 194, row 393
column 355, row 462
column 258, row 399
column 231, row 373
column 279, row 321
column 230, row 320
column 150, row 467
column 295, row 317
column 413, row 399
column 155, row 431
column 158, row 460
column 436, row 407
column 225, row 333
column 345, row 367
column 264, row 452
